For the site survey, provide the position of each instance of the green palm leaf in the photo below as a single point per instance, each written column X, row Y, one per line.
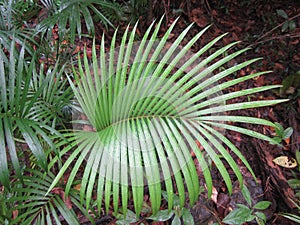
column 69, row 15
column 146, row 103
column 35, row 206
column 30, row 110
column 12, row 25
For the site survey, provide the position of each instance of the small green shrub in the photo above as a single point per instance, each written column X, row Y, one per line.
column 247, row 213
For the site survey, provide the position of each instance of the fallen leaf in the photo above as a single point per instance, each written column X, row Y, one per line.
column 285, row 161
column 199, row 17
column 60, row 191
column 214, row 195
column 77, row 187
column 287, row 141
column 279, row 66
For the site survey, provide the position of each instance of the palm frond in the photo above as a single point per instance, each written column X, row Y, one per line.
column 147, row 103
column 35, row 206
column 20, row 95
column 11, row 24
column 53, row 106
column 111, row 10
column 68, row 16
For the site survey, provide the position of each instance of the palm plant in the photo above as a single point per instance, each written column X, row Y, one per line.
column 35, row 206
column 68, row 16
column 13, row 14
column 30, row 110
column 146, row 104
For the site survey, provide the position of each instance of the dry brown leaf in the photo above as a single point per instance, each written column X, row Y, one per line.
column 60, row 191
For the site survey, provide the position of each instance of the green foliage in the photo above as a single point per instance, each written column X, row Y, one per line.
column 291, row 85
column 68, row 16
column 177, row 213
column 30, row 110
column 130, row 217
column 281, row 133
column 147, row 103
column 136, row 8
column 6, row 207
column 13, row 15
column 113, row 11
column 292, row 216
column 244, row 213
column 289, row 25
column 35, row 206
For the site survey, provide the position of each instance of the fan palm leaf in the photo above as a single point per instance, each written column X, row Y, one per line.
column 68, row 15
column 23, row 119
column 11, row 26
column 35, row 206
column 146, row 104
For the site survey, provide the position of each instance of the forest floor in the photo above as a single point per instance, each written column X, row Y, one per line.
column 272, row 31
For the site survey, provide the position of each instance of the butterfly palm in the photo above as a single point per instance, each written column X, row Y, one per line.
column 146, row 104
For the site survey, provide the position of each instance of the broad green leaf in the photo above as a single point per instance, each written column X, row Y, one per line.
column 285, row 26
column 279, row 129
column 187, row 217
column 287, row 133
column 238, row 216
column 247, row 195
column 129, row 218
column 292, row 25
column 251, row 218
column 294, row 183
column 282, row 13
column 176, row 220
column 261, row 217
column 162, row 215
column 262, row 205
column 298, row 156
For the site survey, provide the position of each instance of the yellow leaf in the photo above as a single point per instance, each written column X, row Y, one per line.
column 285, row 161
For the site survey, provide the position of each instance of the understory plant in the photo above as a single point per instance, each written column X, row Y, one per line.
column 33, row 103
column 177, row 213
column 11, row 23
column 143, row 107
column 77, row 16
column 248, row 212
